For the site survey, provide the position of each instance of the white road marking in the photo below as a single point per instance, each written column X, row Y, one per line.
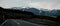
column 3, row 22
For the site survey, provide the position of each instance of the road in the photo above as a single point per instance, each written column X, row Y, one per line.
column 18, row 22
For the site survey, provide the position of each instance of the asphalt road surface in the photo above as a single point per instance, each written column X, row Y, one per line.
column 18, row 22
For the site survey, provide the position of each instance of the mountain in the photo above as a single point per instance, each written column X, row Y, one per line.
column 33, row 10
column 43, row 12
column 51, row 13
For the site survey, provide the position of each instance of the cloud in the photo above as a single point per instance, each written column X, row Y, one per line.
column 46, row 4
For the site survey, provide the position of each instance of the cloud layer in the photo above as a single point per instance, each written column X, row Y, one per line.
column 46, row 4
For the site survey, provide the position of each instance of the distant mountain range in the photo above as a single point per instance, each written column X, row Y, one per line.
column 43, row 12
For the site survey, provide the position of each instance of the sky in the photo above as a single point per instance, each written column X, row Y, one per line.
column 46, row 4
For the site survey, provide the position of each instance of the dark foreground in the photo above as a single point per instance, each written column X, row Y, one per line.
column 13, row 16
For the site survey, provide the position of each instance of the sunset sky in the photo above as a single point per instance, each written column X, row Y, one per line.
column 46, row 4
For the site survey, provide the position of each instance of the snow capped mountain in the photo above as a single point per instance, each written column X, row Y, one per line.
column 43, row 12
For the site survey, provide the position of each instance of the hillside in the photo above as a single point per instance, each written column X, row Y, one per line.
column 24, row 15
